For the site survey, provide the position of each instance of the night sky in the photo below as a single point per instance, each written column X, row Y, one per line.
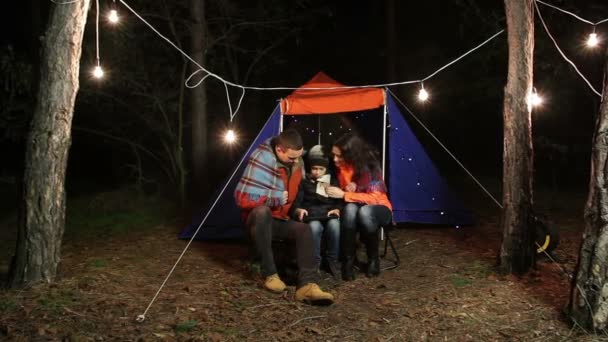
column 348, row 41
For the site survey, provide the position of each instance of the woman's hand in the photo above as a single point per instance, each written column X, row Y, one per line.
column 334, row 192
column 351, row 187
column 334, row 212
column 301, row 213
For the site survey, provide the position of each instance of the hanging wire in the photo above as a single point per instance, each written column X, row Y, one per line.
column 540, row 16
column 97, row 31
column 572, row 14
column 380, row 85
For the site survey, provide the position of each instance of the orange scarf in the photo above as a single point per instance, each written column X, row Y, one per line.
column 345, row 175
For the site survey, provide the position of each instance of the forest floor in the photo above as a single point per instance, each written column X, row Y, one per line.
column 445, row 289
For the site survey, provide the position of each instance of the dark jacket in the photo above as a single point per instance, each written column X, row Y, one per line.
column 316, row 205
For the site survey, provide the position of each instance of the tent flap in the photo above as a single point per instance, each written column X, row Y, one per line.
column 330, row 101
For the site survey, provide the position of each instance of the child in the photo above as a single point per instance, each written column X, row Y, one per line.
column 322, row 213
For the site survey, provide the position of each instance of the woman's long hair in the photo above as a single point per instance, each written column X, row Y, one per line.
column 358, row 153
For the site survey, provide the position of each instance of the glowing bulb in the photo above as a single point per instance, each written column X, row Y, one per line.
column 535, row 100
column 113, row 16
column 593, row 40
column 230, row 136
column 98, row 72
column 423, row 95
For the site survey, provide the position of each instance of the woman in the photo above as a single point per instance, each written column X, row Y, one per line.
column 367, row 206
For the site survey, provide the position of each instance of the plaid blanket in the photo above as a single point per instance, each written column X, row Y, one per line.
column 261, row 183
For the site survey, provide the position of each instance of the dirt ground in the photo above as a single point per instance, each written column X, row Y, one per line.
column 445, row 289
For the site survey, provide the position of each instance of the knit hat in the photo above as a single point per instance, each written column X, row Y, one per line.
column 317, row 156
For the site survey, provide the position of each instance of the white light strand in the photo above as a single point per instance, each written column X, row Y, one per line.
column 562, row 53
column 466, row 53
column 294, row 88
column 572, row 14
column 97, row 30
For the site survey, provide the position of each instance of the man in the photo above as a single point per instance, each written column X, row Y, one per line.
column 265, row 194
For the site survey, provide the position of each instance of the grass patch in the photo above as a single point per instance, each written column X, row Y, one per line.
column 478, row 270
column 98, row 263
column 185, row 326
column 114, row 213
column 459, row 281
column 475, row 270
column 7, row 305
column 55, row 301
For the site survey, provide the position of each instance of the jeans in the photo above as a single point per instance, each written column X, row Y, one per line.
column 263, row 228
column 363, row 218
column 331, row 230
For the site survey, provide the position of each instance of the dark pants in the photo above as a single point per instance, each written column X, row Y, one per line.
column 367, row 219
column 263, row 228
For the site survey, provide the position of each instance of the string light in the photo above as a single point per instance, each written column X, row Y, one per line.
column 534, row 100
column 423, row 95
column 113, row 16
column 98, row 72
column 230, row 136
column 593, row 40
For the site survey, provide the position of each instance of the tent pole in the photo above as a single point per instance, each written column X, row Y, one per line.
column 318, row 129
column 384, row 136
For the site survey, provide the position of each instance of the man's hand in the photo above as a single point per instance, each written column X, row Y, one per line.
column 351, row 187
column 334, row 192
column 301, row 213
column 334, row 212
column 285, row 197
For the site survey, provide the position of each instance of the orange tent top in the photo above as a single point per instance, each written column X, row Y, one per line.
column 330, row 101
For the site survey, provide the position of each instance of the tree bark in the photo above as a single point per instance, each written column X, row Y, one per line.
column 589, row 293
column 198, row 97
column 517, row 250
column 42, row 216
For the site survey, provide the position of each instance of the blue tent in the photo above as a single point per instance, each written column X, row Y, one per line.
column 416, row 189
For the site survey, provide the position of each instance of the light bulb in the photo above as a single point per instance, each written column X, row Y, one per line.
column 535, row 100
column 423, row 95
column 113, row 16
column 230, row 136
column 593, row 40
column 98, row 72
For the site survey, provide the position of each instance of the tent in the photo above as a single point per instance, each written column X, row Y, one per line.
column 416, row 189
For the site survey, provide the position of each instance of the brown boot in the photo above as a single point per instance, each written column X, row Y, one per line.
column 311, row 293
column 274, row 283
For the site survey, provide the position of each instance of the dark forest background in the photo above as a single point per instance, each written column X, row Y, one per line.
column 125, row 127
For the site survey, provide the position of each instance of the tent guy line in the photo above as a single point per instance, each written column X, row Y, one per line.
column 447, row 150
column 142, row 317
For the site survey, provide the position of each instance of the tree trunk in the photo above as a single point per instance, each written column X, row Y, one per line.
column 198, row 98
column 42, row 216
column 517, row 249
column 589, row 294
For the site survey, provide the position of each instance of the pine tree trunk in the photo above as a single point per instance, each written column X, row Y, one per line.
column 199, row 99
column 517, row 249
column 42, row 216
column 589, row 294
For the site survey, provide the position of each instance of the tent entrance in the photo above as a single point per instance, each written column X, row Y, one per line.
column 324, row 129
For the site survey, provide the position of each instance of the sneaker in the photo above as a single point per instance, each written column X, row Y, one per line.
column 311, row 293
column 274, row 283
